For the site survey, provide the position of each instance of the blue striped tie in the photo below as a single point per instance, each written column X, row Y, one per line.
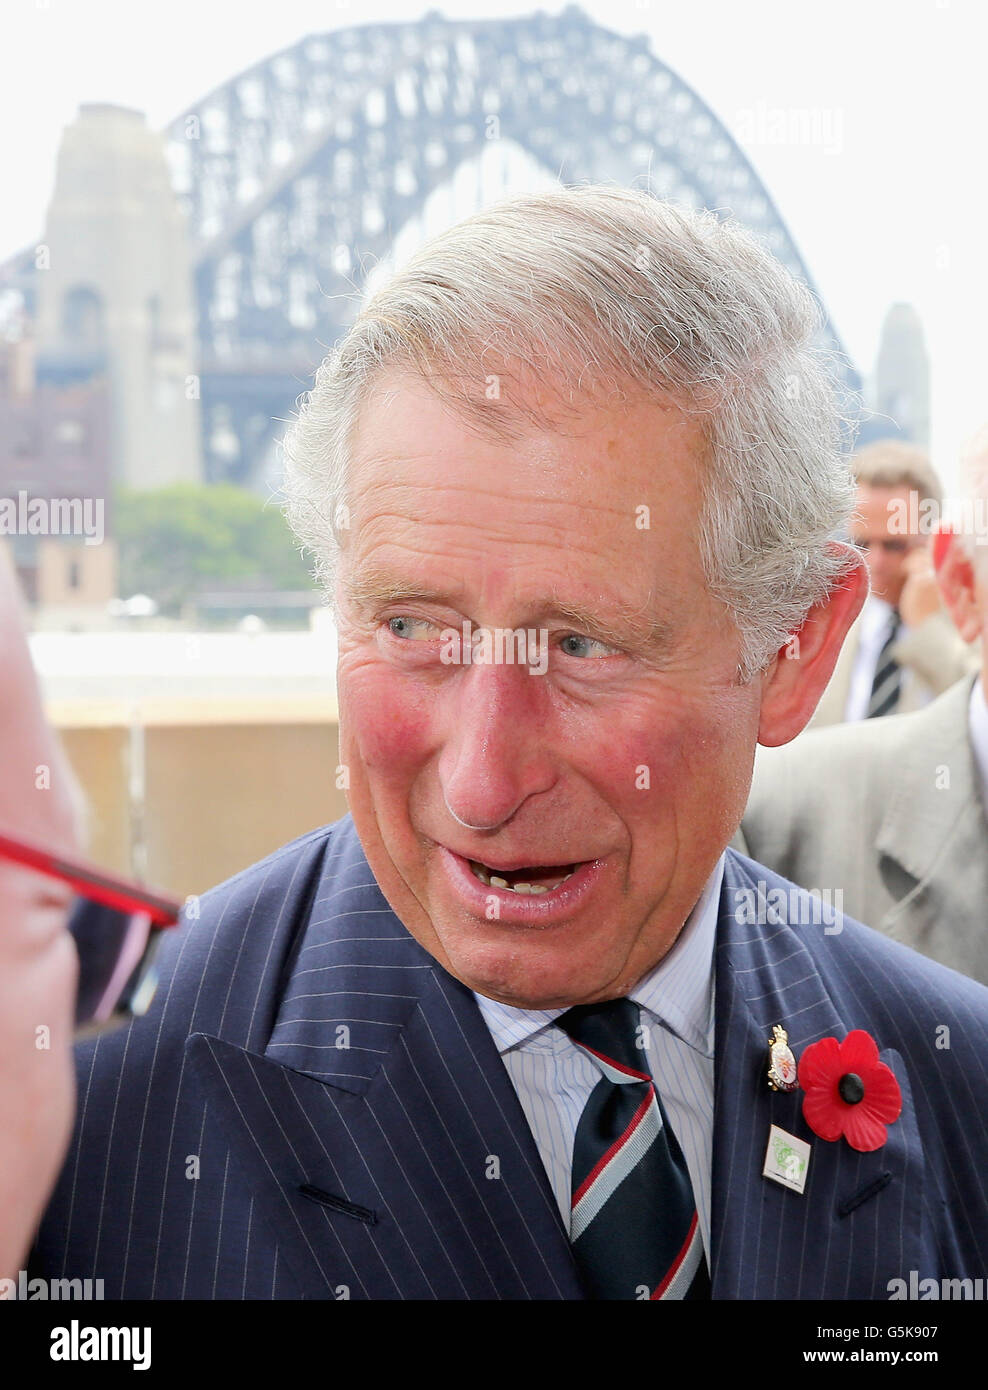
column 633, row 1222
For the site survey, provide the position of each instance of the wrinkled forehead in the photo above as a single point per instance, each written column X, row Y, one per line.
column 894, row 511
column 613, row 469
column 606, row 490
column 617, row 450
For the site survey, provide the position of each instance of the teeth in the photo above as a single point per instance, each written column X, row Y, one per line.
column 525, row 889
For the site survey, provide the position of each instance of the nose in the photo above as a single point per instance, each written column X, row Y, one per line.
column 496, row 753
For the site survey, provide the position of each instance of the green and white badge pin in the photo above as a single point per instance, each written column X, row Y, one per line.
column 787, row 1159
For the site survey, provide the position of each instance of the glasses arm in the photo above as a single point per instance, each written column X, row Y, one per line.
column 91, row 882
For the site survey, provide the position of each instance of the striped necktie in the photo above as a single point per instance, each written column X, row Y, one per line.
column 887, row 685
column 633, row 1222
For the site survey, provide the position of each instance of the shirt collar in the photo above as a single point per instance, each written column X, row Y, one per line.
column 876, row 616
column 978, row 729
column 678, row 992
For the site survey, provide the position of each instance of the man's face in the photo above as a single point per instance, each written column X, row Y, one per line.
column 876, row 529
column 627, row 753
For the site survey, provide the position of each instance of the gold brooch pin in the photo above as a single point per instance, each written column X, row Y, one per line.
column 781, row 1062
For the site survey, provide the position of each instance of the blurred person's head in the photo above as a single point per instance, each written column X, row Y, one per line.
column 960, row 548
column 894, row 480
column 39, row 800
column 599, row 417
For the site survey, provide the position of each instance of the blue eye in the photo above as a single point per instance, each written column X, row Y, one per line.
column 404, row 627
column 577, row 640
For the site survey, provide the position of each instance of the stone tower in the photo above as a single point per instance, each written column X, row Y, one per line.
column 902, row 374
column 115, row 294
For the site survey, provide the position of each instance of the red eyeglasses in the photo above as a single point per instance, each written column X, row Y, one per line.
column 117, row 927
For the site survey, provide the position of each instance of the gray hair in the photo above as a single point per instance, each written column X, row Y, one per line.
column 610, row 284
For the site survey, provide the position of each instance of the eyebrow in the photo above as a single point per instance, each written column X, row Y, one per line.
column 375, row 587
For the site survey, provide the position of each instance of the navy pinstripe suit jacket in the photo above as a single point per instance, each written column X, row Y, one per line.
column 314, row 1108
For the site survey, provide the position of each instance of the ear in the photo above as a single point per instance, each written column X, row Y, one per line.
column 793, row 684
column 958, row 583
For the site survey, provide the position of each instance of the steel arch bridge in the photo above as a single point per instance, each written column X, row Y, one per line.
column 298, row 174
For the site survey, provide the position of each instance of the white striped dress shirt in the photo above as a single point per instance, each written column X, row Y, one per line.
column 554, row 1078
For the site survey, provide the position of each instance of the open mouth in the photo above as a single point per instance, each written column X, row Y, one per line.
column 532, row 880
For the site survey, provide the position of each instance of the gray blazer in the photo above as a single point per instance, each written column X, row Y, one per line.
column 888, row 810
column 933, row 655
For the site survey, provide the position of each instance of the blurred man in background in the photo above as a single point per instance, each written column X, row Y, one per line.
column 892, row 811
column 903, row 650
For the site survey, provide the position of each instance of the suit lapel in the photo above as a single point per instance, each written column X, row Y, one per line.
column 856, row 1225
column 379, row 1131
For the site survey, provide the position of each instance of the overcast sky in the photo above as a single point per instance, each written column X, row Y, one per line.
column 887, row 204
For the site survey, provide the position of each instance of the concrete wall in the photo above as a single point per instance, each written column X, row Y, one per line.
column 185, row 804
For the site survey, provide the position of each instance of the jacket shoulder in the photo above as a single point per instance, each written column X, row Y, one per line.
column 279, row 863
column 218, row 969
column 868, row 745
column 827, row 778
column 882, row 982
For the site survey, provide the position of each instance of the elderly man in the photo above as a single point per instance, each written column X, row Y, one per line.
column 504, row 1032
column 909, row 852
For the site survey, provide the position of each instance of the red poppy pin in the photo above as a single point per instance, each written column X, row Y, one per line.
column 849, row 1091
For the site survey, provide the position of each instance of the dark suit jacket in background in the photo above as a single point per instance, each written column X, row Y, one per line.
column 228, row 1146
